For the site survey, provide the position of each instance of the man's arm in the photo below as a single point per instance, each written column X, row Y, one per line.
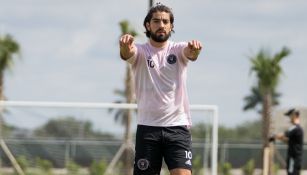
column 282, row 137
column 192, row 50
column 127, row 46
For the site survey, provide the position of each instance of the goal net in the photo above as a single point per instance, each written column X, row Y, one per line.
column 88, row 138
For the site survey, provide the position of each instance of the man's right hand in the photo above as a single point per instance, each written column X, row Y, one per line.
column 127, row 47
column 272, row 138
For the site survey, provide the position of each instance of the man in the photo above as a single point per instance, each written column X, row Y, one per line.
column 160, row 68
column 294, row 137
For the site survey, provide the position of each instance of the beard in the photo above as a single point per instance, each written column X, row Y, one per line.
column 159, row 37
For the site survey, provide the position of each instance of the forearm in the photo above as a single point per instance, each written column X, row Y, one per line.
column 192, row 50
column 126, row 53
column 126, row 46
column 282, row 137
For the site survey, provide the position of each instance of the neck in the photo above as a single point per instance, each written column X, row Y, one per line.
column 296, row 121
column 157, row 44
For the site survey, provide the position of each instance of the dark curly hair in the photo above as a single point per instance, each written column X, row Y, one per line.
column 157, row 8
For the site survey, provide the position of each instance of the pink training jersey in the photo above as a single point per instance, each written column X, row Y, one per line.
column 160, row 84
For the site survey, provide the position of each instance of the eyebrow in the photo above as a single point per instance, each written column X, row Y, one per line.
column 158, row 19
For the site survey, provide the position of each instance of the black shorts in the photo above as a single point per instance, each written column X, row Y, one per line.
column 173, row 144
column 293, row 166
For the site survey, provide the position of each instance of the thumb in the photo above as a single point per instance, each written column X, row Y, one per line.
column 190, row 45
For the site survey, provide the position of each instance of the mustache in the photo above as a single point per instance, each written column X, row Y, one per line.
column 161, row 30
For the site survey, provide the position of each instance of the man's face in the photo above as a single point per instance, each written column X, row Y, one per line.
column 160, row 26
column 292, row 118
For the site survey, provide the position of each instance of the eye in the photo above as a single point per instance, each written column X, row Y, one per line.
column 156, row 20
column 165, row 21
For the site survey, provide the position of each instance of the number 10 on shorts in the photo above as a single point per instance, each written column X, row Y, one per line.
column 188, row 154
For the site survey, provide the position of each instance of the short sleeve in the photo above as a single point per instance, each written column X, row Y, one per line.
column 180, row 47
column 184, row 58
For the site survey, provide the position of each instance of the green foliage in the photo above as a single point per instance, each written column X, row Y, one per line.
column 199, row 130
column 249, row 130
column 249, row 168
column 225, row 168
column 276, row 168
column 267, row 68
column 244, row 132
column 68, row 127
column 72, row 168
column 268, row 71
column 255, row 99
column 8, row 47
column 44, row 165
column 23, row 162
column 126, row 29
column 98, row 168
column 197, row 165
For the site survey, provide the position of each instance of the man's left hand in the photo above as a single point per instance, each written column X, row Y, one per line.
column 193, row 49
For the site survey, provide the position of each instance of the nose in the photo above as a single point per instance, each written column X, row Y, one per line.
column 161, row 24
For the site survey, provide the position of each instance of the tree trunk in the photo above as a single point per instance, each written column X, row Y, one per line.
column 266, row 118
column 1, row 108
column 266, row 131
column 128, row 158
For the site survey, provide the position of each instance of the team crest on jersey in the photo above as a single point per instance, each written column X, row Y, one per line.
column 171, row 59
column 143, row 164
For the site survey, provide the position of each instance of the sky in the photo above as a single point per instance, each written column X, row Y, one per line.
column 69, row 49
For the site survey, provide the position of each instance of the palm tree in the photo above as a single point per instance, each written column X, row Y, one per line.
column 254, row 100
column 125, row 115
column 129, row 91
column 8, row 48
column 268, row 70
column 151, row 2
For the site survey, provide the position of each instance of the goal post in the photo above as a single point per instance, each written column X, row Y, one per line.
column 90, row 105
column 214, row 134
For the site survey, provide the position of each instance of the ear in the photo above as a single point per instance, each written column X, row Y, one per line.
column 148, row 26
column 172, row 27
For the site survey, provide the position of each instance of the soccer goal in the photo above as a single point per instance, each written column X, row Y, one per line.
column 88, row 135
